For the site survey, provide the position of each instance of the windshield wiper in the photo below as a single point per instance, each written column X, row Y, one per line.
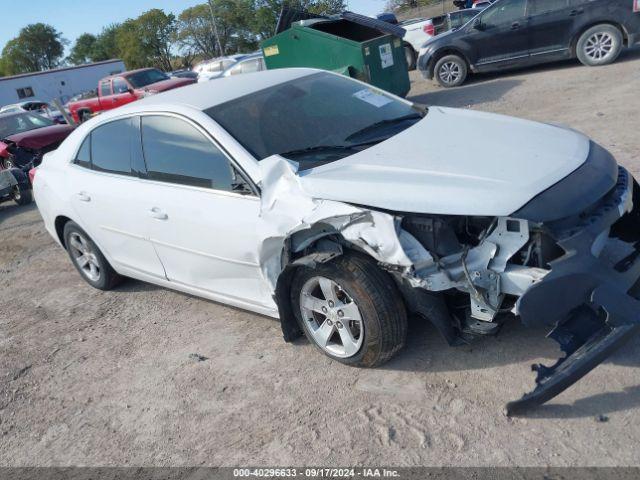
column 322, row 148
column 383, row 123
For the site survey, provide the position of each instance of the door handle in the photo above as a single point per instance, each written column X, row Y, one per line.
column 84, row 197
column 515, row 25
column 576, row 12
column 158, row 214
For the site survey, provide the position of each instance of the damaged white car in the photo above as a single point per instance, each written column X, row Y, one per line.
column 341, row 209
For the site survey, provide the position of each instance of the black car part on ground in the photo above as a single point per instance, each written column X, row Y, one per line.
column 588, row 300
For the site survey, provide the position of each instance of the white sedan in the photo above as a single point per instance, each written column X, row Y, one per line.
column 339, row 208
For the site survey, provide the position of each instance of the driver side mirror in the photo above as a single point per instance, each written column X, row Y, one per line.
column 130, row 90
column 477, row 24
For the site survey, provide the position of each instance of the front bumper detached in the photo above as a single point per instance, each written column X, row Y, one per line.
column 589, row 296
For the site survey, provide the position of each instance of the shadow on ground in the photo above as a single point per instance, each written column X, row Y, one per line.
column 468, row 95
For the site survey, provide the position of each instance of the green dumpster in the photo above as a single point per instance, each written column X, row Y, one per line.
column 344, row 46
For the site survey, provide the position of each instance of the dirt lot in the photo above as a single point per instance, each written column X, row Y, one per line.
column 93, row 378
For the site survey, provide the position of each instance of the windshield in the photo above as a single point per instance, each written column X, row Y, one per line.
column 318, row 115
column 23, row 122
column 146, row 77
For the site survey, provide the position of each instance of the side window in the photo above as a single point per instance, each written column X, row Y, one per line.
column 111, row 147
column 105, row 88
column 83, row 158
column 177, row 152
column 120, row 86
column 504, row 13
column 237, row 70
column 251, row 66
column 545, row 6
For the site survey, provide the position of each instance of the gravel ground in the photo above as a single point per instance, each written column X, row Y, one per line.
column 94, row 378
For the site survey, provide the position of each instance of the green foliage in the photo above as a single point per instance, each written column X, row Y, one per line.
column 37, row 47
column 82, row 51
column 158, row 39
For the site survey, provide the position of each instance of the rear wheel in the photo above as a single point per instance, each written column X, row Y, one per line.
column 450, row 71
column 8, row 163
column 84, row 115
column 600, row 45
column 350, row 310
column 88, row 259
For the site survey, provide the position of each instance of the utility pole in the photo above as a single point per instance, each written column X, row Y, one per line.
column 215, row 27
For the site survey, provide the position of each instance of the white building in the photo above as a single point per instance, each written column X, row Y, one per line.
column 59, row 83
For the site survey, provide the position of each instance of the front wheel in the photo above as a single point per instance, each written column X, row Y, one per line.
column 600, row 45
column 351, row 310
column 450, row 71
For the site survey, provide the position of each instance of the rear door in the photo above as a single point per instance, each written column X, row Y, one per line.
column 501, row 38
column 109, row 199
column 551, row 27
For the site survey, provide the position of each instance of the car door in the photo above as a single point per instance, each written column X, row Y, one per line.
column 109, row 199
column 122, row 92
column 203, row 230
column 500, row 35
column 550, row 27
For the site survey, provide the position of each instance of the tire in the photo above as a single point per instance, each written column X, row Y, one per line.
column 8, row 164
column 361, row 289
column 22, row 195
column 78, row 244
column 410, row 56
column 450, row 71
column 600, row 45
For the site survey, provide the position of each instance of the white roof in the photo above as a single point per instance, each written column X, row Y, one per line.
column 202, row 96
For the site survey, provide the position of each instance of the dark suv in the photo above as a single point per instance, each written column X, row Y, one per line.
column 516, row 33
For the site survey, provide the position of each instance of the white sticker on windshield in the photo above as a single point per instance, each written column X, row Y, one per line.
column 372, row 98
column 386, row 55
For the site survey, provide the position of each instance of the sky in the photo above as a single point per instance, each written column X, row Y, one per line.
column 74, row 17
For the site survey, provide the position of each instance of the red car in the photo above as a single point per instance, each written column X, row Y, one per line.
column 25, row 137
column 127, row 87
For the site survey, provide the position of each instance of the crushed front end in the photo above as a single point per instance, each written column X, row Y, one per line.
column 568, row 260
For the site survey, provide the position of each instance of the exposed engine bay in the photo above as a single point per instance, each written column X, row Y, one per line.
column 469, row 274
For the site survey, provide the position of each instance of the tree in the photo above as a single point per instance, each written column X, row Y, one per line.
column 195, row 32
column 217, row 28
column 267, row 12
column 83, row 49
column 105, row 47
column 147, row 40
column 37, row 47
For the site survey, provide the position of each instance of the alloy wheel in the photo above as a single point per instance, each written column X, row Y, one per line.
column 599, row 46
column 449, row 72
column 332, row 317
column 84, row 256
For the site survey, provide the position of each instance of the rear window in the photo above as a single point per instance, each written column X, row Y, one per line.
column 111, row 147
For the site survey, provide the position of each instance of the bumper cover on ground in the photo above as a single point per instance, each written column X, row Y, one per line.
column 589, row 299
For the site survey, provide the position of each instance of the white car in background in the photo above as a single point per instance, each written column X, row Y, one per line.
column 420, row 30
column 36, row 106
column 339, row 208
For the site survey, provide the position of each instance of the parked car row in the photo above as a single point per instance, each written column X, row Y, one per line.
column 518, row 33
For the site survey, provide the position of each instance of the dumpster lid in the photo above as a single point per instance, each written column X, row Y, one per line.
column 374, row 23
column 290, row 15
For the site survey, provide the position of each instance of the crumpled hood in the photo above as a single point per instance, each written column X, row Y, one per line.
column 456, row 162
column 169, row 84
column 41, row 137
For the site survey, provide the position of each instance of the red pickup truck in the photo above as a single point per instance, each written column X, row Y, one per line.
column 117, row 90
